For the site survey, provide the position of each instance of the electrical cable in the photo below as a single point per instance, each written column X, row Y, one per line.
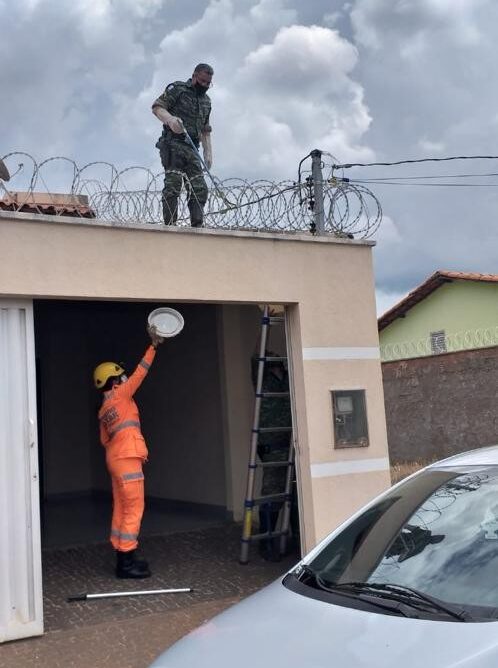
column 427, row 176
column 410, row 162
column 433, row 185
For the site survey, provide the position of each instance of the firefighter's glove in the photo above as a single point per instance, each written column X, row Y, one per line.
column 154, row 336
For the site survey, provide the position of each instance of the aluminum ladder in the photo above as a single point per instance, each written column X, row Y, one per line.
column 286, row 496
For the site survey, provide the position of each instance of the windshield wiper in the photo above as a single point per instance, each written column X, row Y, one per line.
column 310, row 577
column 405, row 595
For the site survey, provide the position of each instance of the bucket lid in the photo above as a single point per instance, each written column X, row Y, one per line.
column 167, row 321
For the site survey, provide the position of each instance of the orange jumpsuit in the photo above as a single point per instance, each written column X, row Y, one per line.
column 122, row 438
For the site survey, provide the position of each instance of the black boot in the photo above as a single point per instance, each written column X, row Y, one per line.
column 170, row 210
column 196, row 213
column 269, row 548
column 141, row 563
column 128, row 567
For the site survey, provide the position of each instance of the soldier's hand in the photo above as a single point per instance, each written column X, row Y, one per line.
column 176, row 125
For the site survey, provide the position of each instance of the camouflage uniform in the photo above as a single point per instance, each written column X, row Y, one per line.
column 273, row 447
column 182, row 100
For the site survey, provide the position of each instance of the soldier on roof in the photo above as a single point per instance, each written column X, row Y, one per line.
column 185, row 107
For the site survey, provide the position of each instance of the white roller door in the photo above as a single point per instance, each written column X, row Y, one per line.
column 21, row 610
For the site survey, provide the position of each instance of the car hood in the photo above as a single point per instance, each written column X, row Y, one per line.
column 277, row 627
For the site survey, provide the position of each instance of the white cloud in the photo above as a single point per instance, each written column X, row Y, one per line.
column 279, row 88
column 60, row 64
column 428, row 71
column 366, row 80
column 386, row 300
column 431, row 147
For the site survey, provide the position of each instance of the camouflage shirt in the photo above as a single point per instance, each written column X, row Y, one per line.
column 181, row 99
column 274, row 412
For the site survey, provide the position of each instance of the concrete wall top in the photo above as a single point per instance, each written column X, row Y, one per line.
column 59, row 257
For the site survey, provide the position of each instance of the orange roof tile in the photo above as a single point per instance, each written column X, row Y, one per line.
column 56, row 204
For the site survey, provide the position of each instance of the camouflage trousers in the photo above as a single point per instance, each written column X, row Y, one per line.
column 274, row 478
column 273, row 482
column 176, row 157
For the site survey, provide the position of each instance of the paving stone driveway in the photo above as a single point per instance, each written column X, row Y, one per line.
column 129, row 632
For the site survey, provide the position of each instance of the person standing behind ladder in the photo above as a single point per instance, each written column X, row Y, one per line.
column 273, row 447
column 185, row 106
column 126, row 451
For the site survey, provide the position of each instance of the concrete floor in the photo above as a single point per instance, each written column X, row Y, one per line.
column 129, row 632
column 82, row 520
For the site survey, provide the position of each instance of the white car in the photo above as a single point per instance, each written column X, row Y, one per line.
column 410, row 581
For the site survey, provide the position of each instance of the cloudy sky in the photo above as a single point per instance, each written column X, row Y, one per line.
column 366, row 80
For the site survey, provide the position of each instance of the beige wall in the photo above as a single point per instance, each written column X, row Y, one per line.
column 327, row 283
column 238, row 332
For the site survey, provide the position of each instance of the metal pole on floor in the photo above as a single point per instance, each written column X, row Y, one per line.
column 146, row 592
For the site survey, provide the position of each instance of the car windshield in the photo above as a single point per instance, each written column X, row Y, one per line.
column 437, row 533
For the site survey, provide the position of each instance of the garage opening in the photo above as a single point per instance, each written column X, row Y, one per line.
column 195, row 472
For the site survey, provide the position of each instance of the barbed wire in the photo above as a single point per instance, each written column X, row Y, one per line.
column 484, row 337
column 133, row 195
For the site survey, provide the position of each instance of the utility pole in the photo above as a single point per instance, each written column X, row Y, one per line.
column 317, row 176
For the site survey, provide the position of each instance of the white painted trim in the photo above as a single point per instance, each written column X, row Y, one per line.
column 342, row 353
column 329, row 469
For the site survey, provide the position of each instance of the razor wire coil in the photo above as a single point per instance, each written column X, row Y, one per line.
column 133, row 195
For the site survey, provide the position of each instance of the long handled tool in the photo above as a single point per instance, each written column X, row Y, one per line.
column 190, row 142
column 113, row 594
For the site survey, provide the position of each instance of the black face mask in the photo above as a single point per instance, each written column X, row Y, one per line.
column 200, row 89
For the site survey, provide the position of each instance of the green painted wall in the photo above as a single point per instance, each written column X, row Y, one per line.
column 455, row 307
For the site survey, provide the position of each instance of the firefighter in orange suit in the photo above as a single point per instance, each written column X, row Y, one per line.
column 126, row 451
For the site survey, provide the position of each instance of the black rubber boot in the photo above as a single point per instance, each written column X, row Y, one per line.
column 128, row 567
column 269, row 548
column 196, row 213
column 170, row 210
column 141, row 563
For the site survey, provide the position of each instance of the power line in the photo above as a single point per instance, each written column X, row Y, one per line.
column 431, row 185
column 348, row 165
column 373, row 179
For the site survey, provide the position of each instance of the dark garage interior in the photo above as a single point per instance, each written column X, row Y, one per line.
column 180, row 404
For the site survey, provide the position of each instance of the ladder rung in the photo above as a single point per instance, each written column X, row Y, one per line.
column 266, row 395
column 270, row 497
column 269, row 430
column 272, row 320
column 271, row 359
column 264, row 536
column 270, row 464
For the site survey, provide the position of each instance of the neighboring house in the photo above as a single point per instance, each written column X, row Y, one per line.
column 74, row 292
column 451, row 310
column 439, row 351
